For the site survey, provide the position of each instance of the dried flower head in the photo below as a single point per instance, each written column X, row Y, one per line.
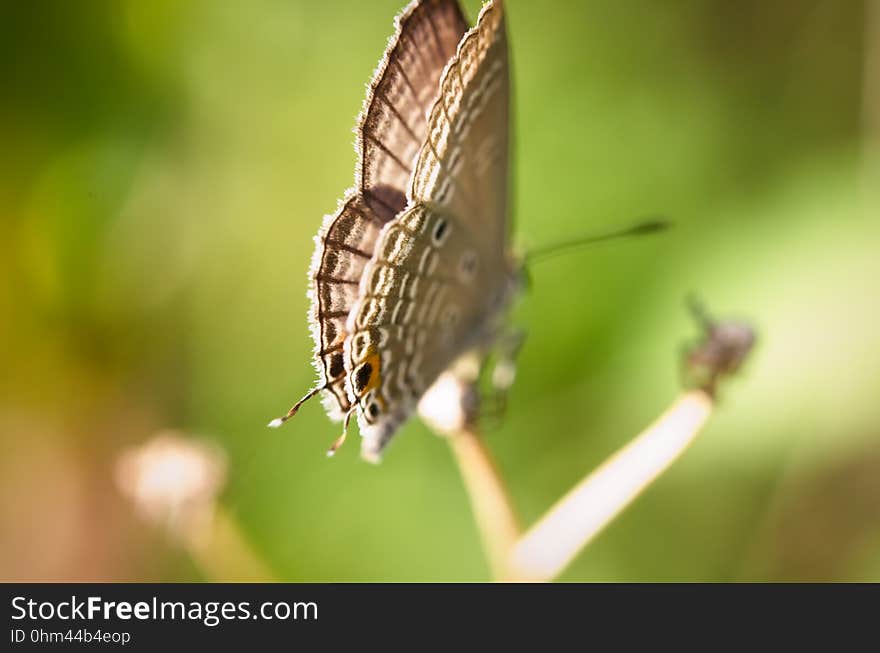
column 174, row 482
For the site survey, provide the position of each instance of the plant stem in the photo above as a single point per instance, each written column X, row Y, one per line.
column 226, row 555
column 493, row 510
column 553, row 542
column 543, row 552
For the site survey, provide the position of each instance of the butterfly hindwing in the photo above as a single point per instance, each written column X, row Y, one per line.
column 342, row 249
column 425, row 299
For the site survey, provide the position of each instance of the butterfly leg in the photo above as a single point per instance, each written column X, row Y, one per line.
column 507, row 350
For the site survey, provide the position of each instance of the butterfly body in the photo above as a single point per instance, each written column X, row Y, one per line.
column 413, row 270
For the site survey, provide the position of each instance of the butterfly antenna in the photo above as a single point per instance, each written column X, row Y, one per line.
column 278, row 421
column 338, row 442
column 651, row 226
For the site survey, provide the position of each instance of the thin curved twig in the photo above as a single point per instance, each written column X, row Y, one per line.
column 491, row 505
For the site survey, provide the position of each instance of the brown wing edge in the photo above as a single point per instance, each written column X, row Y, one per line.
column 351, row 213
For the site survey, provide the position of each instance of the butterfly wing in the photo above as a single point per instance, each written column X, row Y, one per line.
column 394, row 122
column 439, row 277
column 426, row 298
column 390, row 131
column 464, row 163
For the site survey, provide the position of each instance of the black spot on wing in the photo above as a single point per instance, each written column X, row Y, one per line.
column 362, row 377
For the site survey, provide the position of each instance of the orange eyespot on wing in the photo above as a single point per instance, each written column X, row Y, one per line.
column 368, row 375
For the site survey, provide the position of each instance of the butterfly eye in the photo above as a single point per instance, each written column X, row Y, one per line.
column 374, row 409
column 441, row 231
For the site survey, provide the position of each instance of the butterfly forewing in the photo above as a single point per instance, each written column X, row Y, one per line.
column 464, row 163
column 391, row 129
column 393, row 124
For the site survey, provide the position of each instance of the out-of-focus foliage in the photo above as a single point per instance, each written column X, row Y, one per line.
column 164, row 166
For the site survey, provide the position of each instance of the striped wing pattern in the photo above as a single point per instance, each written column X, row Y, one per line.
column 391, row 129
column 439, row 277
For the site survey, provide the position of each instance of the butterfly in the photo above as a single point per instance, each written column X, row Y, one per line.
column 413, row 270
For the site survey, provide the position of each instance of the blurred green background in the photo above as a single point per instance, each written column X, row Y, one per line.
column 164, row 166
